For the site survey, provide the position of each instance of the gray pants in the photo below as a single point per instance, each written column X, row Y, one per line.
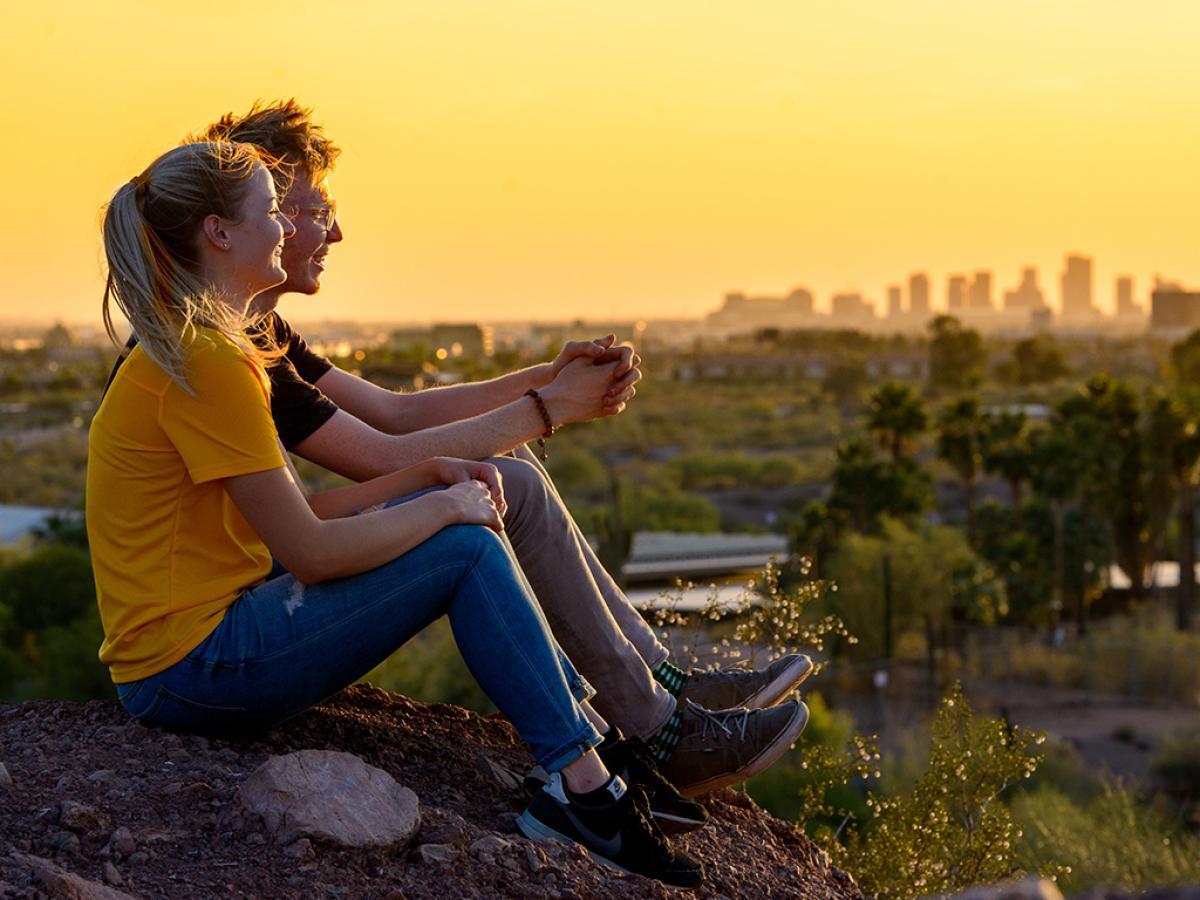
column 606, row 638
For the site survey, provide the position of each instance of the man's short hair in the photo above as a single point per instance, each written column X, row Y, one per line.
column 285, row 131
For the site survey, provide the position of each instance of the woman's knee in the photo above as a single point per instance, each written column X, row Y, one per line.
column 466, row 542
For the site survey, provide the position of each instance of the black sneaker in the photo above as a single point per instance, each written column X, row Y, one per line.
column 673, row 812
column 619, row 834
column 629, row 758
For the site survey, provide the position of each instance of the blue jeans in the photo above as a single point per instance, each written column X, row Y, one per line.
column 283, row 646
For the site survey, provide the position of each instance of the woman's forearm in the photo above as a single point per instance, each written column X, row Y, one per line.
column 347, row 546
column 353, row 499
column 315, row 549
column 436, row 406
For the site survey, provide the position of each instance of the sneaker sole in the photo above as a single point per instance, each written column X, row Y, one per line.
column 536, row 830
column 676, row 824
column 783, row 684
column 760, row 763
column 670, row 824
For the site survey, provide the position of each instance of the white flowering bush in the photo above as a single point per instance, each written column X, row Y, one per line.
column 954, row 829
column 764, row 617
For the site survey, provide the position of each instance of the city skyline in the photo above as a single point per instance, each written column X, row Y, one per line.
column 1078, row 297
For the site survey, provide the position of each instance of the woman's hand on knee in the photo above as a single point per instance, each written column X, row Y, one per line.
column 447, row 470
column 471, row 503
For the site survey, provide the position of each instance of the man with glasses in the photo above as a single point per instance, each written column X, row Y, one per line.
column 359, row 430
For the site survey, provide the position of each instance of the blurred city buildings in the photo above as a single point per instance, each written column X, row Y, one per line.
column 1027, row 294
column 792, row 311
column 1022, row 310
column 979, row 295
column 1077, row 289
column 1174, row 311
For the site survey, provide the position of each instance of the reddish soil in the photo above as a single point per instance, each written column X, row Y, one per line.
column 189, row 837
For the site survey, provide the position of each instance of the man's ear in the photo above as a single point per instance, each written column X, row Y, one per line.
column 214, row 231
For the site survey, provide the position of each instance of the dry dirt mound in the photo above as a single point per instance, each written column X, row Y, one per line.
column 157, row 815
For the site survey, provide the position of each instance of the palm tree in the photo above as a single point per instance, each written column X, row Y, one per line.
column 1101, row 429
column 856, row 480
column 1187, row 464
column 1176, row 439
column 895, row 416
column 1007, row 453
column 866, row 487
column 958, row 443
column 1055, row 477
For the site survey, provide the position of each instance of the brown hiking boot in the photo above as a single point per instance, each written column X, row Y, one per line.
column 721, row 748
column 752, row 688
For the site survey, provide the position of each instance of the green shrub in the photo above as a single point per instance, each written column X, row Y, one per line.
column 50, row 629
column 932, row 570
column 1147, row 658
column 953, row 830
column 1176, row 765
column 1115, row 840
column 68, row 667
column 1032, row 660
column 578, row 471
column 1064, row 769
column 51, row 586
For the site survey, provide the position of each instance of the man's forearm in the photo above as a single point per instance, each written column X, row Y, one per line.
column 432, row 407
column 355, row 450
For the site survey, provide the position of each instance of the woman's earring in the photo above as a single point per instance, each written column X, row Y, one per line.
column 226, row 245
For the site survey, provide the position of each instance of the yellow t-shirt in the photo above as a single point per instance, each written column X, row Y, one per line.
column 170, row 551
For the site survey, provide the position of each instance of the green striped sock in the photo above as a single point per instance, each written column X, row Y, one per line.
column 670, row 676
column 666, row 739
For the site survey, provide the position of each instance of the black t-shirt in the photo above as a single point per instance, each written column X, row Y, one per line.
column 297, row 406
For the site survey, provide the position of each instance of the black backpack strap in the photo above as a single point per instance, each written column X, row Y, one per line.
column 129, row 345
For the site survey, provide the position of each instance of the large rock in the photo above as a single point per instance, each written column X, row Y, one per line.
column 62, row 885
column 331, row 796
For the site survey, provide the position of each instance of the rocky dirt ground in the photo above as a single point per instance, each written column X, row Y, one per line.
column 153, row 814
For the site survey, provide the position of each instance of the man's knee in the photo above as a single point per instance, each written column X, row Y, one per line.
column 523, row 483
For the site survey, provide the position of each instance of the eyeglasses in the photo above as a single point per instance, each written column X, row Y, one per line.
column 324, row 215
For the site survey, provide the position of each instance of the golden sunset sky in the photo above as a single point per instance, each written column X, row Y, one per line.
column 562, row 159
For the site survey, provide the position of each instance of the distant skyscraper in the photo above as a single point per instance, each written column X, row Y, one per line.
column 1077, row 288
column 1125, row 304
column 851, row 306
column 799, row 301
column 956, row 292
column 918, row 294
column 980, row 296
column 894, row 301
column 1174, row 309
column 741, row 314
column 1026, row 295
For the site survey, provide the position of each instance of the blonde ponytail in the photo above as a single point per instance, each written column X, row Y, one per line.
column 151, row 228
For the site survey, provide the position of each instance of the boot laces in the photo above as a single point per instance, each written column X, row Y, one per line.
column 725, row 721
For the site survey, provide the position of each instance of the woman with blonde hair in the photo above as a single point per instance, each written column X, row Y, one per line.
column 190, row 496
